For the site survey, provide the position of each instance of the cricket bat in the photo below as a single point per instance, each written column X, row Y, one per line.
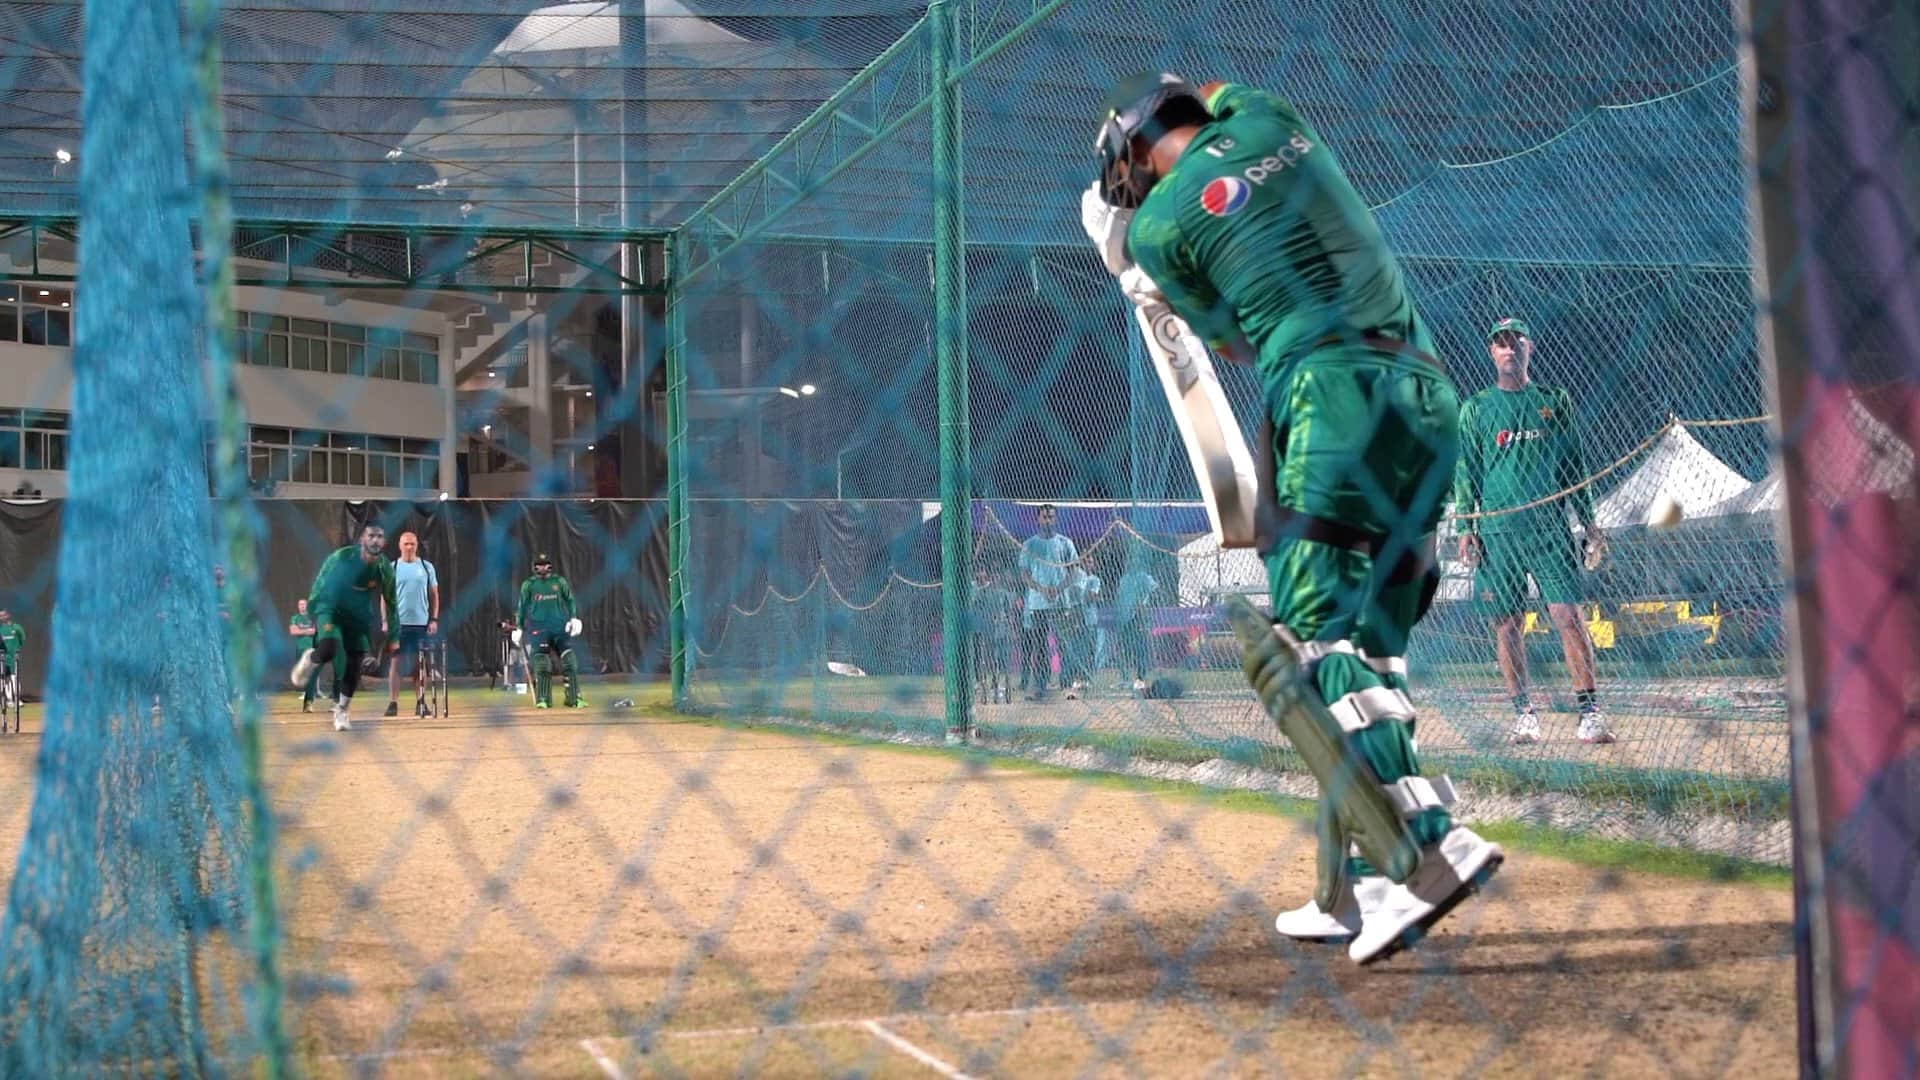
column 1218, row 451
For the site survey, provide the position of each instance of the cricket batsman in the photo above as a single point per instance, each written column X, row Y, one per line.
column 1223, row 203
column 545, row 624
column 342, row 603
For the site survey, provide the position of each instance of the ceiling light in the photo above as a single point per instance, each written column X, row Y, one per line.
column 589, row 393
column 808, row 388
column 44, row 292
column 790, row 391
column 63, row 155
column 589, row 446
column 394, row 154
column 486, row 429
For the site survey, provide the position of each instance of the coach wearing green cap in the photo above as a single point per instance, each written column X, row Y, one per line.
column 1520, row 472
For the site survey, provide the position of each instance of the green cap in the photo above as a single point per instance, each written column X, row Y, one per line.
column 1510, row 323
column 543, row 557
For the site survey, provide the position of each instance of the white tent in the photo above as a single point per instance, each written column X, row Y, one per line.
column 1208, row 571
column 1676, row 465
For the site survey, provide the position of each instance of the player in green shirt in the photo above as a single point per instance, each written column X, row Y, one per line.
column 1227, row 204
column 301, row 627
column 546, row 625
column 352, row 594
column 12, row 640
column 1520, row 450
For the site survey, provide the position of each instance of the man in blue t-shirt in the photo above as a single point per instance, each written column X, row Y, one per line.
column 1045, row 558
column 417, row 589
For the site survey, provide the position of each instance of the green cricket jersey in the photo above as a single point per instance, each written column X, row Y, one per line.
column 300, row 622
column 1257, row 231
column 546, row 603
column 12, row 639
column 1517, row 446
column 349, row 585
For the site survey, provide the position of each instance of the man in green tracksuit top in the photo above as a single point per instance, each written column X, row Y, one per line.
column 351, row 598
column 545, row 625
column 1520, row 450
column 12, row 640
column 1245, row 225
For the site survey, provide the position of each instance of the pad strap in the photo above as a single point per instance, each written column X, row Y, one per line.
column 1386, row 665
column 1415, row 795
column 1358, row 710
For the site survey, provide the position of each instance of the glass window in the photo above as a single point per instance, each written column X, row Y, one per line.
column 257, row 463
column 56, row 450
column 280, row 464
column 356, row 469
column 338, row 466
column 45, row 421
column 346, row 332
column 9, row 449
column 9, row 417
column 9, row 323
column 421, row 342
column 310, row 327
column 302, row 467
column 386, row 444
column 33, row 327
column 277, row 350
column 274, row 322
column 59, row 328
column 276, row 436
column 257, row 349
column 8, row 294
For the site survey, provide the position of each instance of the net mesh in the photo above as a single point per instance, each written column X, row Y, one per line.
column 1598, row 195
column 774, row 330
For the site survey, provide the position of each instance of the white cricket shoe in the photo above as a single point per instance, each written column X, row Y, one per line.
column 1140, row 686
column 303, row 668
column 1593, row 728
column 1395, row 916
column 341, row 722
column 1525, row 730
column 1309, row 923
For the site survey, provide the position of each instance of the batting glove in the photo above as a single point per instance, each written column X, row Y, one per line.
column 573, row 627
column 1140, row 288
column 1106, row 226
column 516, row 635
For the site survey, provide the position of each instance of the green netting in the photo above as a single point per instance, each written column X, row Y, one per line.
column 1595, row 190
column 773, row 327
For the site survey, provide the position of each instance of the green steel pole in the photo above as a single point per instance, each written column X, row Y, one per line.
column 676, row 313
column 950, row 360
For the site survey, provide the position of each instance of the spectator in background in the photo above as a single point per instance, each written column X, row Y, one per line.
column 12, row 640
column 1045, row 559
column 1090, row 592
column 993, row 607
column 417, row 590
column 1133, row 621
column 301, row 628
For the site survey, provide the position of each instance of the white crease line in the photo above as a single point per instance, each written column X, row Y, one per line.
column 607, row 1065
column 914, row 1052
column 822, row 1025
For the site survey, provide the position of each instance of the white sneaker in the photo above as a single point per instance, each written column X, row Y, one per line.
column 1525, row 730
column 341, row 722
column 1593, row 728
column 1140, row 686
column 1395, row 916
column 1309, row 923
column 1073, row 692
column 303, row 668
